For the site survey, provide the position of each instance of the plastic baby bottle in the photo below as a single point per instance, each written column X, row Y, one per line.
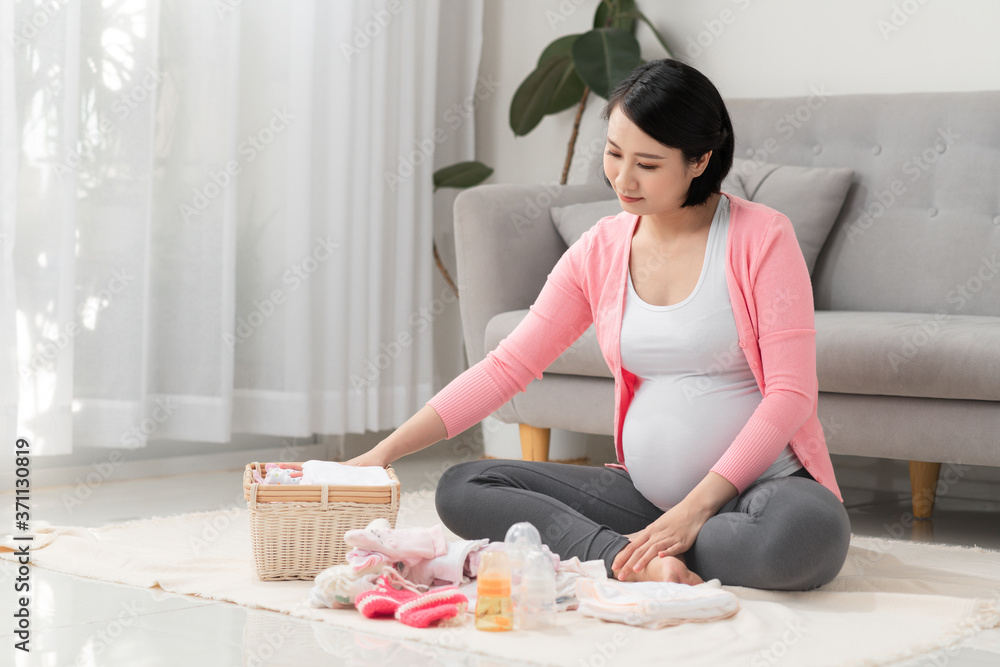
column 493, row 605
column 536, row 602
column 521, row 539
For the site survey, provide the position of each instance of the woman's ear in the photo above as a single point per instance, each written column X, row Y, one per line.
column 701, row 164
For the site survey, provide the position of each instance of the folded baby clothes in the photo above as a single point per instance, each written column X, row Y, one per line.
column 339, row 474
column 654, row 604
column 339, row 586
column 567, row 574
column 447, row 568
column 406, row 545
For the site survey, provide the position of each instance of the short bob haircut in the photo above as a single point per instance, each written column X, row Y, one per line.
column 679, row 107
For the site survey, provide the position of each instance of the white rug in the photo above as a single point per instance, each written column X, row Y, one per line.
column 893, row 600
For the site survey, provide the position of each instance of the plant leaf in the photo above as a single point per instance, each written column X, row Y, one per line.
column 605, row 56
column 561, row 47
column 635, row 13
column 461, row 175
column 569, row 88
column 568, row 91
column 623, row 17
column 534, row 95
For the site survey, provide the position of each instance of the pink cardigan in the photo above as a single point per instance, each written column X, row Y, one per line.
column 772, row 301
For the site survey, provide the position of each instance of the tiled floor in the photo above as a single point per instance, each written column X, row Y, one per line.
column 83, row 622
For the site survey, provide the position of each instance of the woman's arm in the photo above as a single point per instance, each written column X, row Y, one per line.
column 559, row 315
column 421, row 430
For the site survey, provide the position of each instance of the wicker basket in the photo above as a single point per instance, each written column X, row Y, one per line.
column 297, row 531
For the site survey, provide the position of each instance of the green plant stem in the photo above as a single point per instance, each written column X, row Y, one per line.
column 572, row 137
column 444, row 271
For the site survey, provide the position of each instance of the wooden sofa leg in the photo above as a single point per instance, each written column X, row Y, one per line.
column 534, row 443
column 923, row 482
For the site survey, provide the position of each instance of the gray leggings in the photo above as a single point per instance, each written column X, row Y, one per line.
column 789, row 533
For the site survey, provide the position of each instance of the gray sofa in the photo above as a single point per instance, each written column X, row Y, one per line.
column 906, row 284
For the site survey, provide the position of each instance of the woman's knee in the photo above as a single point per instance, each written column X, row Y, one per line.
column 451, row 494
column 798, row 537
column 823, row 537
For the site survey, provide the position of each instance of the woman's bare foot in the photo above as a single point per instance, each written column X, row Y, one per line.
column 667, row 568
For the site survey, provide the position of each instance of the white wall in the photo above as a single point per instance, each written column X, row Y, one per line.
column 749, row 48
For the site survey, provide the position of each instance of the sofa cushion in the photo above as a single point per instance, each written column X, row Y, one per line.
column 573, row 220
column 908, row 354
column 581, row 358
column 811, row 197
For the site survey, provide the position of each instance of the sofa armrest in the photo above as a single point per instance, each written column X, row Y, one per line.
column 506, row 245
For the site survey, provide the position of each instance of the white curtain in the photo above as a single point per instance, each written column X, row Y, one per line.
column 217, row 216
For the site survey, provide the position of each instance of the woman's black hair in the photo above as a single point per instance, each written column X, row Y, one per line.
column 679, row 107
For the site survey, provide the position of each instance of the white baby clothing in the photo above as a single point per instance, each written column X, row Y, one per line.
column 340, row 474
column 654, row 604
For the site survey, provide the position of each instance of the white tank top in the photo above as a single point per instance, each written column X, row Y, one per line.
column 696, row 391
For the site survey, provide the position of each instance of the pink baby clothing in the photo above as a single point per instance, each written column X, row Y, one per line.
column 448, row 568
column 406, row 545
column 654, row 604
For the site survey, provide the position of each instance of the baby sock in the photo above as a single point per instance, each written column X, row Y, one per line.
column 410, row 606
column 408, row 545
column 431, row 607
column 383, row 600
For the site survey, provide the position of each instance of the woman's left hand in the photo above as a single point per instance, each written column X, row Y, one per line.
column 670, row 535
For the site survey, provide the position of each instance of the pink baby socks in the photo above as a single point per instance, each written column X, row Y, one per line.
column 411, row 607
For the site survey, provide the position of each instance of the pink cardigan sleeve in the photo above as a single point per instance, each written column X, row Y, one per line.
column 782, row 310
column 560, row 314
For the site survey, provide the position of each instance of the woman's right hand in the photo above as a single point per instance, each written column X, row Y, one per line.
column 373, row 457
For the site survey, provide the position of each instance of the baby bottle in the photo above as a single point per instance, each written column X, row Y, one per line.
column 493, row 605
column 536, row 602
column 521, row 539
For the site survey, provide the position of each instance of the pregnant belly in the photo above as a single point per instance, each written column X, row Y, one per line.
column 672, row 436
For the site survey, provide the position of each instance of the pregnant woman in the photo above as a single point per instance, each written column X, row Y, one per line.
column 703, row 309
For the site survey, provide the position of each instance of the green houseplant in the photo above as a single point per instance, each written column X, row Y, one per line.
column 567, row 72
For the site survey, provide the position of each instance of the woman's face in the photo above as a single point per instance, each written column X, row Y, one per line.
column 648, row 177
